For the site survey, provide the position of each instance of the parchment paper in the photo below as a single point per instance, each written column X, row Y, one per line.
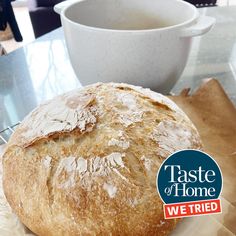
column 215, row 118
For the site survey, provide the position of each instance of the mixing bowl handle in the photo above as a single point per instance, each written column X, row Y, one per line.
column 60, row 6
column 202, row 26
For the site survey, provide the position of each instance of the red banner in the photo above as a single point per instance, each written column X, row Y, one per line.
column 179, row 210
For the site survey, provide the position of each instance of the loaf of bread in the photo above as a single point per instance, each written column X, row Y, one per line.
column 85, row 163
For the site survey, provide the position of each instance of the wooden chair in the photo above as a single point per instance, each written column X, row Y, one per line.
column 7, row 17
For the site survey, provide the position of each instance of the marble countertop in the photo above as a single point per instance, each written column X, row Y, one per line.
column 41, row 70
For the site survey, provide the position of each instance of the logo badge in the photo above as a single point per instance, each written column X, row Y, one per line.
column 189, row 182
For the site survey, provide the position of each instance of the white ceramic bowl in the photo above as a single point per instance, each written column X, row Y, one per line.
column 141, row 42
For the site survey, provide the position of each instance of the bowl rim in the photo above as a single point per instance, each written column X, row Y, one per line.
column 188, row 22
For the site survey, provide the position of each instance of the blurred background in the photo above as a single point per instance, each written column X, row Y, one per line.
column 36, row 17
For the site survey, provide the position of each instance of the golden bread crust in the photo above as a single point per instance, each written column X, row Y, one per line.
column 85, row 163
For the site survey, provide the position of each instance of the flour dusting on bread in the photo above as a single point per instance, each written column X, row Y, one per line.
column 88, row 161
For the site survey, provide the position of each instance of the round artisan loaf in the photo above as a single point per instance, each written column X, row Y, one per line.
column 85, row 163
